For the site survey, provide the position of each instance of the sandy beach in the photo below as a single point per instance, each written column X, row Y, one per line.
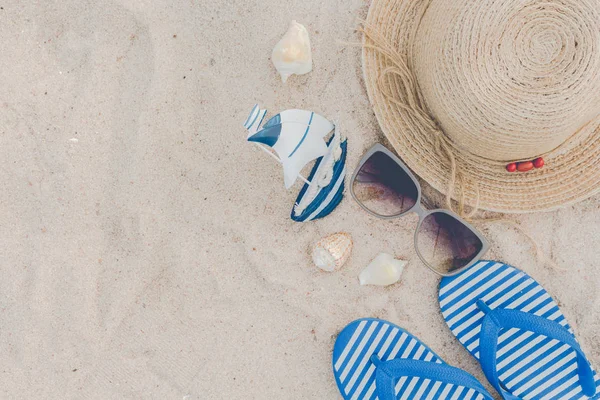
column 147, row 249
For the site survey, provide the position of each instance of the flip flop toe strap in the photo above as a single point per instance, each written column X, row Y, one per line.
column 498, row 319
column 388, row 372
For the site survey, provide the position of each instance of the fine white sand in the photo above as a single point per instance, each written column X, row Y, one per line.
column 146, row 249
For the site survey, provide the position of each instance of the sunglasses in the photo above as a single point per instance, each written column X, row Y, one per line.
column 384, row 186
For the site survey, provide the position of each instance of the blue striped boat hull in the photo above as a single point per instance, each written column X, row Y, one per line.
column 332, row 193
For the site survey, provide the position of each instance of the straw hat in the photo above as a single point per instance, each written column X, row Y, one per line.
column 461, row 88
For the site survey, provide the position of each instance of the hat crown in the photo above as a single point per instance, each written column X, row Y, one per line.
column 509, row 79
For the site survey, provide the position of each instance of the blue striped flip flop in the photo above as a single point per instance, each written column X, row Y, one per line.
column 508, row 322
column 374, row 359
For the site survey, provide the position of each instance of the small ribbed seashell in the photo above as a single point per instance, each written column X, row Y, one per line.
column 384, row 270
column 331, row 252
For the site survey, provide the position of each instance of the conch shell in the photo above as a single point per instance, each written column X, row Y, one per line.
column 382, row 271
column 332, row 252
column 292, row 54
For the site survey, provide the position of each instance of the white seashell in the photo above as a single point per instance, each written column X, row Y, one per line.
column 332, row 252
column 382, row 271
column 292, row 54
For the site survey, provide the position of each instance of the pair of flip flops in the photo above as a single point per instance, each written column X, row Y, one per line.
column 502, row 316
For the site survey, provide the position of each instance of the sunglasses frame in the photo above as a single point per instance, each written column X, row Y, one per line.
column 417, row 209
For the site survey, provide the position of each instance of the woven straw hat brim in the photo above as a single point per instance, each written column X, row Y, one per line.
column 571, row 174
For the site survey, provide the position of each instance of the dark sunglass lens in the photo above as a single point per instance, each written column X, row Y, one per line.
column 383, row 187
column 446, row 243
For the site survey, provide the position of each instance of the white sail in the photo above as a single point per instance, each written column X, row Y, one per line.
column 318, row 123
column 296, row 135
column 254, row 120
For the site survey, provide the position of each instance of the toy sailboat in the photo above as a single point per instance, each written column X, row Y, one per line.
column 298, row 137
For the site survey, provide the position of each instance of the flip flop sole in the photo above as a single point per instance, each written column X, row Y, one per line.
column 530, row 366
column 355, row 373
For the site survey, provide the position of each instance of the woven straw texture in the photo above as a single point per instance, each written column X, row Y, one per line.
column 462, row 87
